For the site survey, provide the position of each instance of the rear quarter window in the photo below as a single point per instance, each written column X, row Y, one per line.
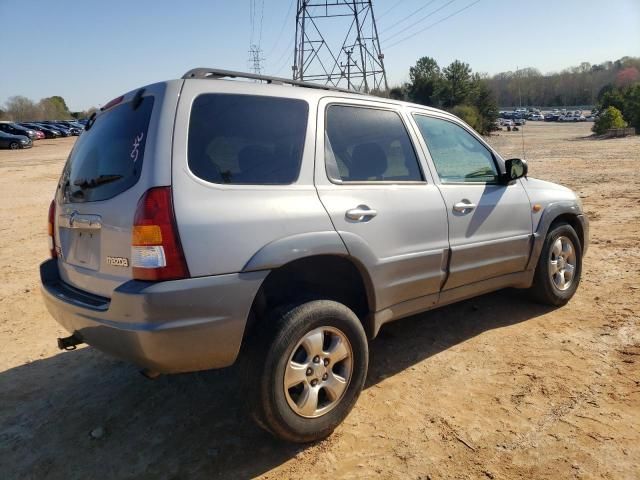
column 246, row 139
column 107, row 159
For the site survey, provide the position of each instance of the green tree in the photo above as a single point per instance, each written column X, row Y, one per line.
column 457, row 83
column 612, row 98
column 632, row 106
column 470, row 115
column 54, row 108
column 610, row 118
column 426, row 82
column 485, row 103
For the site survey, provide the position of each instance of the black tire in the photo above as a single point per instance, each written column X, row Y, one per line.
column 544, row 290
column 272, row 346
column 14, row 145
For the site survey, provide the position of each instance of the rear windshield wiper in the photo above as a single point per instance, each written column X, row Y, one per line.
column 85, row 183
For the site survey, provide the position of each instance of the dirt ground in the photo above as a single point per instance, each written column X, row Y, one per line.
column 495, row 387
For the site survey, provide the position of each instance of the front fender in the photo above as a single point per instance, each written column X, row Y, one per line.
column 551, row 212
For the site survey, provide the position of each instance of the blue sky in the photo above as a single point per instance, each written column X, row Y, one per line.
column 91, row 51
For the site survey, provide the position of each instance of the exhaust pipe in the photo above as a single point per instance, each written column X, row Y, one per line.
column 69, row 343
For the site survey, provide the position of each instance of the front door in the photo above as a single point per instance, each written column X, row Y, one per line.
column 489, row 222
column 381, row 201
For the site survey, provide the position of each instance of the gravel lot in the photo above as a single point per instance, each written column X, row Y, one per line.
column 495, row 387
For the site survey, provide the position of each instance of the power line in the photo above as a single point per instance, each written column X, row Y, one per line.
column 433, row 12
column 284, row 24
column 407, row 17
column 432, row 25
column 261, row 19
column 281, row 64
column 388, row 10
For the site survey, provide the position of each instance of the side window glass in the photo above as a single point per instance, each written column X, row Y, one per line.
column 247, row 139
column 458, row 156
column 367, row 144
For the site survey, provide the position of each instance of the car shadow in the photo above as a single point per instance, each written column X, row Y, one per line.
column 82, row 414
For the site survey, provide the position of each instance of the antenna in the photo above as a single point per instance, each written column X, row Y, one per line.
column 354, row 60
column 520, row 102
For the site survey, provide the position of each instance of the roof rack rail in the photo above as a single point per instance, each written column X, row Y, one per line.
column 215, row 73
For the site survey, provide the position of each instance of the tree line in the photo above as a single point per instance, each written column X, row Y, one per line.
column 578, row 85
column 475, row 97
column 23, row 109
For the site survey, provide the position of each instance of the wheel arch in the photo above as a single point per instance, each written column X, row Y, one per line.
column 333, row 276
column 555, row 213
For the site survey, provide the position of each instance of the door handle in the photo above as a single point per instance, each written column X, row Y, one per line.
column 465, row 206
column 361, row 213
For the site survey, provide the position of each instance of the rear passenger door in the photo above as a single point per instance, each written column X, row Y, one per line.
column 489, row 222
column 381, row 200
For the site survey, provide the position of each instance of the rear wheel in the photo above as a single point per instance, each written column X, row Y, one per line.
column 559, row 267
column 307, row 370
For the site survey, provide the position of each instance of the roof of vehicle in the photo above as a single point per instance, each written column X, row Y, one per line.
column 283, row 84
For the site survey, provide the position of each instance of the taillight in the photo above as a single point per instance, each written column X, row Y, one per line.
column 156, row 253
column 51, row 229
column 112, row 103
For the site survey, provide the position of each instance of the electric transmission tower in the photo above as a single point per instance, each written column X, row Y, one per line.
column 255, row 59
column 350, row 60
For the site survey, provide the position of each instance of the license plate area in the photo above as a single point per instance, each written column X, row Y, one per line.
column 81, row 248
column 80, row 240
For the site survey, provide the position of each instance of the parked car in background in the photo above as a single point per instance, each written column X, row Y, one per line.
column 591, row 118
column 14, row 142
column 519, row 121
column 73, row 124
column 63, row 130
column 69, row 129
column 15, row 129
column 536, row 117
column 48, row 132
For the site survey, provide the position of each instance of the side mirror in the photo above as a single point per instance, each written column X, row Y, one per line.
column 515, row 168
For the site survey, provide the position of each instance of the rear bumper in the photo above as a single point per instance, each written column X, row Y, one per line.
column 170, row 327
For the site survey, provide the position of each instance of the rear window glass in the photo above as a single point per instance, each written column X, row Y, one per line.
column 107, row 159
column 246, row 139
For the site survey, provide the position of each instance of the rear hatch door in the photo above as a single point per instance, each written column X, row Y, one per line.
column 115, row 160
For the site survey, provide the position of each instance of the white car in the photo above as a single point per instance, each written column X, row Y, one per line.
column 537, row 117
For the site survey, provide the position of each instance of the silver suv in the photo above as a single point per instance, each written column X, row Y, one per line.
column 201, row 216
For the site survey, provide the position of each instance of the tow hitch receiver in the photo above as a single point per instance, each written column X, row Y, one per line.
column 69, row 343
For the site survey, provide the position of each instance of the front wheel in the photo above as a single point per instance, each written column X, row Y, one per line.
column 559, row 267
column 308, row 370
column 14, row 145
